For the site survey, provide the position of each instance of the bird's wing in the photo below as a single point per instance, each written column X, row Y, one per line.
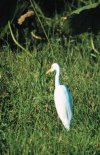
column 63, row 101
column 68, row 99
column 69, row 96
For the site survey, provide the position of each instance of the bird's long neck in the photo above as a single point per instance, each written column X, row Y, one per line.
column 57, row 76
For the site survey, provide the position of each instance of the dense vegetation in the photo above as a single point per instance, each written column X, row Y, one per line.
column 28, row 119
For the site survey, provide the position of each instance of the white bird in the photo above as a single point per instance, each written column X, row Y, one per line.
column 62, row 98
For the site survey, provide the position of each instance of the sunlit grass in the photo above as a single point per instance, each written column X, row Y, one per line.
column 29, row 122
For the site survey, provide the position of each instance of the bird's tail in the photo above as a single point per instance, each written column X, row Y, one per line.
column 67, row 126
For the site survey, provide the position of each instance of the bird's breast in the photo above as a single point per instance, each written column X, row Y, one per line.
column 62, row 97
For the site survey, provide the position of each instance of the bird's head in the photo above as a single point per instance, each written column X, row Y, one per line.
column 54, row 67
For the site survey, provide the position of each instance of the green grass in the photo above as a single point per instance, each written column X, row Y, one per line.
column 29, row 122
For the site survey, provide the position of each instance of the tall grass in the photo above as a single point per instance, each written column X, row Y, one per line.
column 29, row 122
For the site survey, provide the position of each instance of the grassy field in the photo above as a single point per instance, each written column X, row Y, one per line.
column 28, row 119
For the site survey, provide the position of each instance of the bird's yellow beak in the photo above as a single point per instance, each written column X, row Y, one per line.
column 50, row 70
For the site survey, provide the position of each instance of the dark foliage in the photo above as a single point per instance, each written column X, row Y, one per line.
column 86, row 21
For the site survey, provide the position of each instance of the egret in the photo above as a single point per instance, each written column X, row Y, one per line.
column 62, row 98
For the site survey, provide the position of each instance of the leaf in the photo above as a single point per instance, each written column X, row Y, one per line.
column 87, row 7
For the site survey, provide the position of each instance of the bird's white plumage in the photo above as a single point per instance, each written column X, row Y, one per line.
column 63, row 104
column 62, row 98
